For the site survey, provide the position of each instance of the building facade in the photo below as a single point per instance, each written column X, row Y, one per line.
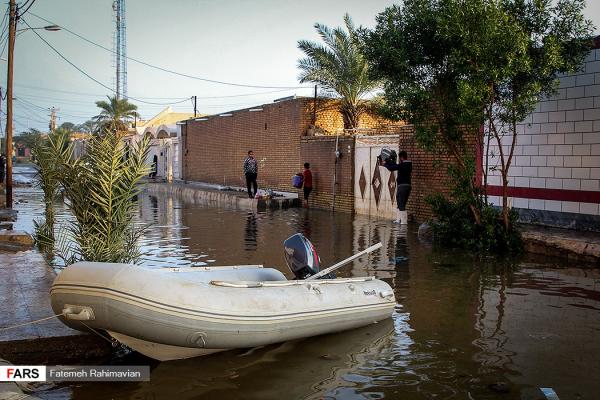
column 555, row 176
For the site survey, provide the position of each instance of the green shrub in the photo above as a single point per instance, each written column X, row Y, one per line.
column 454, row 226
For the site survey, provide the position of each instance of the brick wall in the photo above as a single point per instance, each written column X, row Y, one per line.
column 329, row 120
column 214, row 149
column 217, row 146
column 319, row 151
column 556, row 166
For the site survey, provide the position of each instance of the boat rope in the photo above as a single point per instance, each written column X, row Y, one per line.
column 113, row 342
column 30, row 322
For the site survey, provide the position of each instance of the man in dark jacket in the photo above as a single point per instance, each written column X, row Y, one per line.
column 251, row 173
column 2, row 167
column 404, row 168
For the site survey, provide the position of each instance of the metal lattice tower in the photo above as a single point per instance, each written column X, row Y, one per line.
column 120, row 49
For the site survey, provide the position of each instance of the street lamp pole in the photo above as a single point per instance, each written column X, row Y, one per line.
column 12, row 25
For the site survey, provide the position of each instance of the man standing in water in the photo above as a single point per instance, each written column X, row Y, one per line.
column 403, row 181
column 251, row 173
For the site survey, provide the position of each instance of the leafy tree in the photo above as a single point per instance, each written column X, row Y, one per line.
column 340, row 67
column 67, row 126
column 88, row 126
column 451, row 66
column 29, row 138
column 115, row 114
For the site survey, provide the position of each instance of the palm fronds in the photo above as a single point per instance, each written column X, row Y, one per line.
column 100, row 189
column 114, row 114
column 50, row 156
column 339, row 66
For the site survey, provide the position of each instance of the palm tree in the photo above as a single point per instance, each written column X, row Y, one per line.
column 339, row 66
column 115, row 114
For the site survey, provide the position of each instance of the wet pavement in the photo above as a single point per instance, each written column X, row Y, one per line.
column 467, row 328
column 24, row 297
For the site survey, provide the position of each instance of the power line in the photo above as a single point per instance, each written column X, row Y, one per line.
column 4, row 34
column 88, row 75
column 32, row 111
column 27, row 9
column 26, row 102
column 155, row 98
column 168, row 70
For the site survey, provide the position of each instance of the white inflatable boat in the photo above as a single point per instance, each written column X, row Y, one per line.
column 175, row 313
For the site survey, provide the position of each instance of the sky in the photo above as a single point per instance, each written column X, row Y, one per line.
column 248, row 42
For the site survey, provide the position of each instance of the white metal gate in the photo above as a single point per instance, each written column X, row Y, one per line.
column 374, row 186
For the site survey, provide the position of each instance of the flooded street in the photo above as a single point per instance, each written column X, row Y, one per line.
column 465, row 329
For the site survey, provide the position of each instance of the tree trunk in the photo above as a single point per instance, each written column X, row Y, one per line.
column 505, row 218
column 350, row 116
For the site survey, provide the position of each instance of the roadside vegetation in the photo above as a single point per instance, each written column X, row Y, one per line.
column 100, row 190
column 454, row 67
column 339, row 66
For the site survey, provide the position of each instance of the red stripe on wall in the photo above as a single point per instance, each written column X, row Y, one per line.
column 580, row 196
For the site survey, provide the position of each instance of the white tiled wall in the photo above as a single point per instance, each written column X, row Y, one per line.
column 558, row 146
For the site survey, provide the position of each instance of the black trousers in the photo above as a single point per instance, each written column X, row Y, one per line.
column 251, row 183
column 307, row 191
column 402, row 196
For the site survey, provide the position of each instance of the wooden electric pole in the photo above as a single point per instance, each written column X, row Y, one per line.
column 12, row 24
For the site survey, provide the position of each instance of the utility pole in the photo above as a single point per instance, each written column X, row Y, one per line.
column 52, row 125
column 195, row 109
column 314, row 118
column 12, row 24
column 1, row 144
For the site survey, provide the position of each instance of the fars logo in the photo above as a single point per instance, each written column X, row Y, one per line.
column 26, row 373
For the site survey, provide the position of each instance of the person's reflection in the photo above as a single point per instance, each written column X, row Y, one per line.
column 250, row 243
column 401, row 249
column 305, row 225
column 154, row 207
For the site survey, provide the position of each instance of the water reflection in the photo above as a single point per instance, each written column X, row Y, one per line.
column 251, row 232
column 269, row 372
column 464, row 323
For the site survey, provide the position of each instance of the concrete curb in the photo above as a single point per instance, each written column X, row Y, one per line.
column 572, row 249
column 220, row 198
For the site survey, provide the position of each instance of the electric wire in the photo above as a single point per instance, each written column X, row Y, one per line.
column 33, row 111
column 155, row 98
column 27, row 9
column 91, row 77
column 166, row 69
column 4, row 34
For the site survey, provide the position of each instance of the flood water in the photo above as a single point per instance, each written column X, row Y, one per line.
column 465, row 328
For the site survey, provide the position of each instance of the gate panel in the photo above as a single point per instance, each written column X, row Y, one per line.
column 374, row 186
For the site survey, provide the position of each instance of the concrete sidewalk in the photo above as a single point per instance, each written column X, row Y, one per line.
column 24, row 297
column 573, row 246
column 224, row 197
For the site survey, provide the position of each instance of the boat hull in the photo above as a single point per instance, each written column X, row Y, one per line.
column 179, row 316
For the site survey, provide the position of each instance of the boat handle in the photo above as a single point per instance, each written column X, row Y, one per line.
column 384, row 294
column 78, row 313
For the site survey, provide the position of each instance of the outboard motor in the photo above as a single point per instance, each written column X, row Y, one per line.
column 301, row 256
column 388, row 155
